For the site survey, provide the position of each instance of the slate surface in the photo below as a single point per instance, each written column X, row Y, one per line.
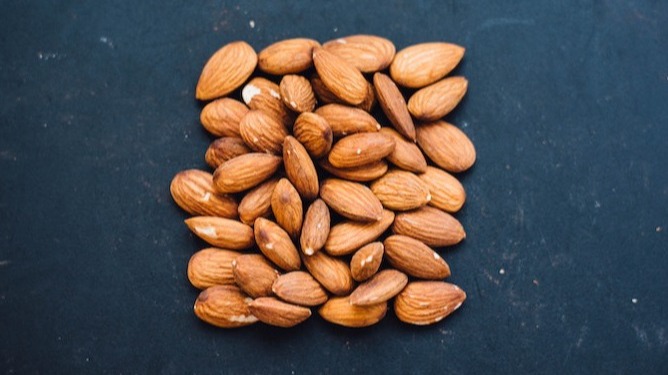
column 567, row 213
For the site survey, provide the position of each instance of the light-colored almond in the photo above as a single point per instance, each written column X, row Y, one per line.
column 346, row 237
column 422, row 64
column 447, row 146
column 427, row 302
column 224, row 306
column 345, row 120
column 352, row 200
column 339, row 310
column 316, row 227
column 194, row 192
column 254, row 274
column 275, row 244
column 245, row 171
column 368, row 53
column 366, row 261
column 264, row 95
column 300, row 169
column 380, row 288
column 429, row 225
column 401, row 191
column 332, row 273
column 221, row 117
column 226, row 70
column 224, row 149
column 262, row 132
column 363, row 173
column 221, row 232
column 297, row 94
column 277, row 313
column 314, row 133
column 415, row 258
column 257, row 202
column 447, row 193
column 406, row 155
column 300, row 288
column 287, row 56
column 438, row 99
column 211, row 266
column 360, row 149
column 287, row 207
column 394, row 105
column 342, row 79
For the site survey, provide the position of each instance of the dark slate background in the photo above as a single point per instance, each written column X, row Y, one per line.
column 567, row 213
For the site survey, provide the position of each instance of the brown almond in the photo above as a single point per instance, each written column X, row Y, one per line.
column 226, row 70
column 262, row 132
column 277, row 313
column 345, row 120
column 437, row 100
column 415, row 258
column 316, row 227
column 429, row 225
column 257, row 202
column 254, row 274
column 363, row 173
column 224, row 306
column 422, row 64
column 300, row 288
column 220, row 232
column 245, row 171
column 346, row 237
column 314, row 133
column 427, row 302
column 264, row 95
column 211, row 266
column 297, row 94
column 447, row 146
column 360, row 149
column 287, row 207
column 406, row 155
column 287, row 56
column 275, row 244
column 352, row 200
column 368, row 53
column 221, row 117
column 366, row 261
column 300, row 169
column 394, row 105
column 339, row 310
column 401, row 191
column 194, row 192
column 332, row 273
column 342, row 79
column 325, row 96
column 224, row 149
column 447, row 193
column 380, row 288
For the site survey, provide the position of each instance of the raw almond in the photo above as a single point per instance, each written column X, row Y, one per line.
column 287, row 56
column 346, row 237
column 360, row 149
column 300, row 169
column 438, row 99
column 220, row 232
column 262, row 132
column 332, row 273
column 342, row 79
column 264, row 95
column 422, row 64
column 271, row 311
column 363, row 173
column 245, row 171
column 224, row 306
column 406, row 155
column 380, row 288
column 345, row 120
column 287, row 207
column 429, row 225
column 211, row 266
column 194, row 192
column 275, row 244
column 368, row 53
column 447, row 193
column 221, row 117
column 394, row 105
column 339, row 310
column 427, row 302
column 415, row 258
column 325, row 96
column 297, row 94
column 226, row 70
column 300, row 288
column 257, row 202
column 366, row 261
column 447, row 146
column 314, row 133
column 224, row 149
column 316, row 227
column 254, row 274
column 401, row 191
column 352, row 200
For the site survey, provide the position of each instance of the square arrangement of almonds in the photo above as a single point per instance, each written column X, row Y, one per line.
column 319, row 199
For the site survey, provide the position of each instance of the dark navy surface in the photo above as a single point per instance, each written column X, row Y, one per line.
column 567, row 213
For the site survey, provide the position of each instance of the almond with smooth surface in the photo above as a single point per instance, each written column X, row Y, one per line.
column 254, row 274
column 447, row 193
column 401, row 191
column 221, row 232
column 341, row 78
column 316, row 227
column 427, row 302
column 339, row 310
column 438, row 99
column 224, row 149
column 447, row 146
column 276, row 245
column 415, row 258
column 287, row 56
column 429, row 225
column 394, row 105
column 346, row 237
column 300, row 169
column 221, row 117
column 224, row 306
column 422, row 64
column 366, row 261
column 314, row 133
column 245, row 171
column 277, row 313
column 332, row 273
column 226, row 70
column 211, row 266
column 194, row 192
column 406, row 155
column 352, row 200
column 300, row 288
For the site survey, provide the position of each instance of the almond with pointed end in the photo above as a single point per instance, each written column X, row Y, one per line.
column 224, row 306
column 401, row 191
column 427, row 302
column 287, row 56
column 429, row 225
column 264, row 95
column 447, row 146
column 325, row 96
column 257, row 202
column 422, row 64
column 447, row 193
column 244, row 172
column 194, row 192
column 406, row 155
column 262, row 132
column 314, row 133
column 394, row 105
column 360, row 149
column 220, row 232
column 339, row 310
column 342, row 79
column 287, row 207
column 366, row 261
column 316, row 227
column 332, row 273
column 300, row 169
column 368, row 53
column 363, row 173
column 345, row 120
column 221, row 117
column 211, row 266
column 352, row 200
column 437, row 100
column 254, row 274
column 297, row 94
column 276, row 245
column 277, row 313
column 300, row 288
column 380, row 288
column 346, row 237
column 226, row 70
column 415, row 258
column 224, row 149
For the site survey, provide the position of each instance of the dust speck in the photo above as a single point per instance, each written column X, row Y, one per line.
column 502, row 271
column 251, row 23
column 634, row 300
column 658, row 229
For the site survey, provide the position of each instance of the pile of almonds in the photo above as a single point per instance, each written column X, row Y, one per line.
column 306, row 174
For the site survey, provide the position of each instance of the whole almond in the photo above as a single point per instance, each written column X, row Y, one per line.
column 271, row 311
column 447, row 146
column 360, row 149
column 380, row 288
column 363, row 173
column 422, row 64
column 401, row 191
column 300, row 288
column 352, row 200
column 342, row 79
column 254, row 274
column 345, row 120
column 287, row 207
column 275, row 244
column 325, row 96
column 447, row 193
column 194, row 192
column 332, row 273
column 300, row 169
column 314, row 133
column 220, row 232
column 368, row 53
column 339, row 310
column 406, row 155
column 366, row 261
column 394, row 105
column 245, row 171
column 224, row 306
column 429, row 225
column 297, row 94
column 316, row 227
column 346, row 237
column 415, row 258
column 287, row 56
column 224, row 149
column 226, row 70
column 211, row 266
column 427, row 302
column 221, row 117
column 257, row 202
column 262, row 132
column 438, row 99
column 264, row 95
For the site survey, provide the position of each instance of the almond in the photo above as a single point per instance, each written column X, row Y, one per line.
column 275, row 244
column 221, row 117
column 300, row 288
column 257, row 202
column 314, row 133
column 363, row 173
column 394, row 105
column 348, row 236
column 244, row 172
column 447, row 193
column 380, row 288
column 422, row 64
column 271, row 311
column 401, row 191
column 332, row 273
column 300, row 169
column 287, row 207
column 325, row 96
column 415, row 258
column 262, row 132
column 226, row 70
column 360, row 149
column 264, row 95
column 345, row 120
column 352, row 200
column 194, row 192
column 211, row 266
column 224, row 306
column 429, row 225
column 224, row 149
column 438, row 99
column 338, row 310
column 316, row 228
column 287, row 56
column 342, row 79
column 254, row 274
column 406, row 155
column 368, row 53
column 220, row 232
column 427, row 302
column 447, row 146
column 297, row 94
column 366, row 261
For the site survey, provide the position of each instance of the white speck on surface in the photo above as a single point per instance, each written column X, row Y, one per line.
column 269, row 246
column 344, row 133
column 465, row 124
column 248, row 92
column 4, row 262
column 206, row 231
column 634, row 300
column 359, row 151
column 458, row 306
column 436, row 256
column 248, row 300
column 659, row 229
column 274, row 94
column 341, row 41
column 243, row 318
column 308, row 251
column 50, row 56
column 319, row 225
column 502, row 271
column 206, row 197
column 255, row 139
column 597, row 204
column 378, row 126
column 251, row 23
column 293, row 104
column 336, row 29
column 107, row 41
column 234, row 263
column 44, row 125
column 428, row 197
column 369, row 259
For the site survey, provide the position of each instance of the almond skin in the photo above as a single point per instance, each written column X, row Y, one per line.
column 447, row 193
column 366, row 261
column 220, row 232
column 415, row 258
column 297, row 94
column 262, row 132
column 211, row 266
column 194, row 192
column 345, row 120
column 363, row 173
column 314, row 133
column 447, row 146
column 300, row 288
column 271, row 311
column 224, row 149
column 275, row 244
column 324, row 95
column 346, row 237
column 221, row 117
column 401, row 191
column 342, row 79
column 287, row 207
column 368, row 53
column 427, row 302
column 226, row 70
column 394, row 105
column 245, row 171
column 380, row 288
column 264, row 95
column 352, row 200
column 360, row 149
column 316, row 227
column 224, row 306
column 438, row 99
column 254, row 274
column 339, row 310
column 257, row 202
column 406, row 155
column 287, row 56
column 332, row 273
column 300, row 169
column 422, row 64
column 429, row 225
